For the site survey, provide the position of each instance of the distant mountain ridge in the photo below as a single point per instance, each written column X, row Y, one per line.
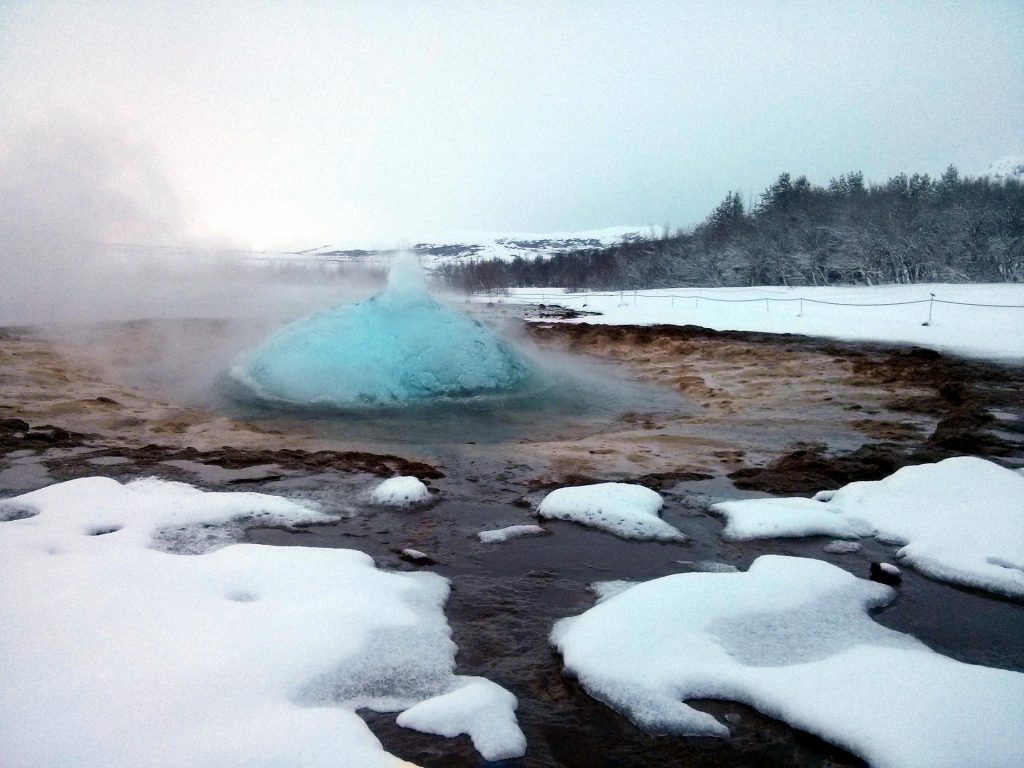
column 472, row 246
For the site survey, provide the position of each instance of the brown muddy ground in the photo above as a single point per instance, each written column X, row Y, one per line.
column 750, row 413
column 787, row 414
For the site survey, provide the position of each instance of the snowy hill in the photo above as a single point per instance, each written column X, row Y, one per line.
column 1007, row 168
column 468, row 246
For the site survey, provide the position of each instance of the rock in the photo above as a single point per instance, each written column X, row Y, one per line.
column 415, row 557
column 886, row 573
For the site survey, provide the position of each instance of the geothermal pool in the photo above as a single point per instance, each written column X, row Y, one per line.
column 401, row 367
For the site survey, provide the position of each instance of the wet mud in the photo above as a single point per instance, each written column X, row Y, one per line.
column 874, row 407
column 763, row 414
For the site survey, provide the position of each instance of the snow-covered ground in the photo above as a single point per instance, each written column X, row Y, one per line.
column 960, row 520
column 848, row 312
column 792, row 638
column 627, row 510
column 118, row 650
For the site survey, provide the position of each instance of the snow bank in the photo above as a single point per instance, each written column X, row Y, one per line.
column 629, row 511
column 499, row 535
column 401, row 491
column 960, row 520
column 118, row 653
column 990, row 332
column 791, row 637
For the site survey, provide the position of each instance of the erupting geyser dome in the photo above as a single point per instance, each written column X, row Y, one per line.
column 400, row 346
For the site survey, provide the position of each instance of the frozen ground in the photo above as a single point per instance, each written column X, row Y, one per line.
column 791, row 637
column 118, row 650
column 990, row 332
column 627, row 510
column 960, row 520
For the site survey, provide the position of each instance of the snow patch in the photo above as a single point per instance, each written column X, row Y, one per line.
column 499, row 535
column 117, row 652
column 401, row 491
column 627, row 510
column 476, row 707
column 779, row 638
column 960, row 520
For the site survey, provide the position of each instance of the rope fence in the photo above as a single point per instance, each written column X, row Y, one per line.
column 697, row 298
column 623, row 295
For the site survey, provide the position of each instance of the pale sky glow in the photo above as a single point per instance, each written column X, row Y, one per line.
column 297, row 124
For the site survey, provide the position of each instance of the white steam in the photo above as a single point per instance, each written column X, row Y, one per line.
column 91, row 232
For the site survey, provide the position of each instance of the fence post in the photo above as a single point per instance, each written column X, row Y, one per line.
column 766, row 307
column 931, row 302
column 801, row 307
column 673, row 297
column 634, row 298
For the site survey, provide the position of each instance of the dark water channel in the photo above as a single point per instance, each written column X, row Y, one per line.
column 506, row 597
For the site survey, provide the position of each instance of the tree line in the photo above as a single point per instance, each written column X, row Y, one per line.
column 907, row 230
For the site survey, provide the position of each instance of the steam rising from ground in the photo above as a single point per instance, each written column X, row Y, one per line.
column 71, row 197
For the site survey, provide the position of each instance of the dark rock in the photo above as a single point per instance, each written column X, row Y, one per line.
column 809, row 469
column 886, row 573
column 414, row 556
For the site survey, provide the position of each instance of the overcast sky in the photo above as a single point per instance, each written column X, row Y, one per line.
column 283, row 124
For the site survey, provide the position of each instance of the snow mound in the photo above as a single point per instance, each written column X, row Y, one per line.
column 397, row 347
column 477, row 707
column 499, row 535
column 960, row 520
column 116, row 653
column 629, row 511
column 791, row 637
column 401, row 491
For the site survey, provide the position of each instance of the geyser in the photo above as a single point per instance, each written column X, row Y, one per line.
column 398, row 347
